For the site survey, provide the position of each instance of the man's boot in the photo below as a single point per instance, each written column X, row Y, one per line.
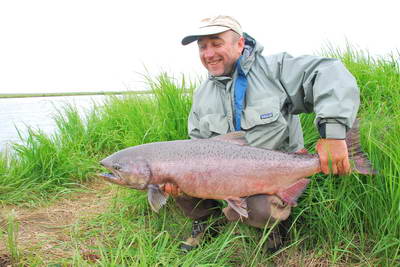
column 200, row 210
column 198, row 232
column 279, row 236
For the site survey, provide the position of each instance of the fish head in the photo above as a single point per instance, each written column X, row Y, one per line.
column 129, row 172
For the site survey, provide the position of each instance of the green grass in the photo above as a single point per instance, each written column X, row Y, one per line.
column 44, row 166
column 352, row 220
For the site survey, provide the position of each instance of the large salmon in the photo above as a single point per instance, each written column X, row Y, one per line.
column 223, row 167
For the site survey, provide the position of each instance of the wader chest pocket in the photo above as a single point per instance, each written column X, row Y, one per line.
column 262, row 112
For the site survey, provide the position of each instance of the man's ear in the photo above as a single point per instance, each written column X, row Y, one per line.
column 241, row 44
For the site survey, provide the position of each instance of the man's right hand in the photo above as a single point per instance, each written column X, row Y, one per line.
column 334, row 150
column 172, row 189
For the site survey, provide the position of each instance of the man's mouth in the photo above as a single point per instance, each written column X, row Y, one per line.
column 214, row 62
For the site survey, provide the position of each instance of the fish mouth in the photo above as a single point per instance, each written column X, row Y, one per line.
column 108, row 175
column 112, row 178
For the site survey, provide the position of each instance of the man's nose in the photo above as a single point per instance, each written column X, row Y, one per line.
column 208, row 52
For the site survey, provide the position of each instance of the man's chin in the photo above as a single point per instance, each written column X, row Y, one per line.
column 219, row 71
column 216, row 72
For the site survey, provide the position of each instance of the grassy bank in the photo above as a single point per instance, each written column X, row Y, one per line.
column 46, row 165
column 340, row 221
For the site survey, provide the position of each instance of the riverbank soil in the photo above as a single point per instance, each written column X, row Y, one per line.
column 51, row 233
column 44, row 231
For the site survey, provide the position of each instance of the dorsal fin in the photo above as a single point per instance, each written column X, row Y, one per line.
column 236, row 138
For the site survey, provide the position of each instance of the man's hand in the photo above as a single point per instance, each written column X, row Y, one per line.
column 333, row 150
column 302, row 151
column 171, row 189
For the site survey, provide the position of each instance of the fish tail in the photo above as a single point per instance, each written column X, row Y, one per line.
column 361, row 162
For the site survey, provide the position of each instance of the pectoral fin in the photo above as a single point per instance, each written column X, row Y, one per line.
column 156, row 197
column 293, row 192
column 239, row 205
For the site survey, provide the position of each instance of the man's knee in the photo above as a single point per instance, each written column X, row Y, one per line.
column 264, row 210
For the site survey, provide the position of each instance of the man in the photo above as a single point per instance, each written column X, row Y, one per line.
column 262, row 96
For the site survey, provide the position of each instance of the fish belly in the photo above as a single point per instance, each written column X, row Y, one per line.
column 221, row 179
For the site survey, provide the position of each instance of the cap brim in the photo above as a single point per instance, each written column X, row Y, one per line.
column 210, row 30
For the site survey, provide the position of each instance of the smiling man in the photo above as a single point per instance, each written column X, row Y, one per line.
column 262, row 96
column 219, row 53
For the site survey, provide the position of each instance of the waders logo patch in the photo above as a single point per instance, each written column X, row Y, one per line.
column 266, row 115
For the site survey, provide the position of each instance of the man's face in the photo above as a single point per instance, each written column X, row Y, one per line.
column 219, row 52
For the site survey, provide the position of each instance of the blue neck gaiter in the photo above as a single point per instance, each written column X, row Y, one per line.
column 240, row 93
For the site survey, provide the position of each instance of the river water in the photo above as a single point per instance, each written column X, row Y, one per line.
column 36, row 112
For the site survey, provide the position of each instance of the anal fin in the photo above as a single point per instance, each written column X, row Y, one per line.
column 239, row 205
column 293, row 192
column 230, row 214
column 156, row 197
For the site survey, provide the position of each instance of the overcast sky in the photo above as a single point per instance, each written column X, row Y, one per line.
column 95, row 45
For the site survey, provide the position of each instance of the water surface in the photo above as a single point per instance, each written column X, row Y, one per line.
column 36, row 112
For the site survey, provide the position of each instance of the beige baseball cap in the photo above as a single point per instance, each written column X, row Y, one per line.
column 213, row 25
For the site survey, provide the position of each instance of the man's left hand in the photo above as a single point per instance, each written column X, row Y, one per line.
column 334, row 150
column 171, row 189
